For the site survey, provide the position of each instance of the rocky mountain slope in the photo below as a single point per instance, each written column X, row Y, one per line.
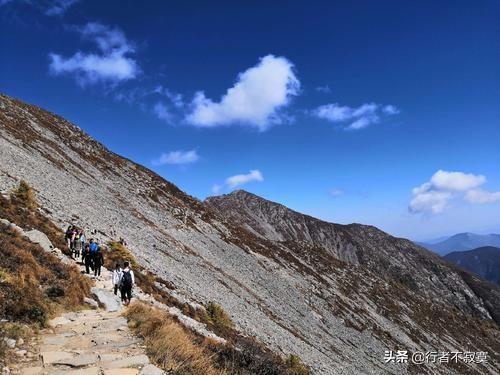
column 394, row 259
column 483, row 261
column 337, row 296
column 463, row 242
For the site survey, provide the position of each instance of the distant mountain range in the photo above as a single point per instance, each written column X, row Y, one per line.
column 462, row 242
column 484, row 261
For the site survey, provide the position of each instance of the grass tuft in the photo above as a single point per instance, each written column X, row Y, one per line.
column 217, row 317
column 296, row 366
column 24, row 196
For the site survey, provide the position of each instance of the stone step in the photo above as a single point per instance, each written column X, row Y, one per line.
column 132, row 361
column 83, row 371
column 53, row 356
column 78, row 361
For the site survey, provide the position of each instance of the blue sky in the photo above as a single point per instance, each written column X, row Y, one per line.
column 385, row 113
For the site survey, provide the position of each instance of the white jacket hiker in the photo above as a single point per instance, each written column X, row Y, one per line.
column 117, row 275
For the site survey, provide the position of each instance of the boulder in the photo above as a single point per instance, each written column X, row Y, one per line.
column 92, row 303
column 40, row 238
column 107, row 298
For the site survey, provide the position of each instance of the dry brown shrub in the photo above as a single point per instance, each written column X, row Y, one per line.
column 37, row 285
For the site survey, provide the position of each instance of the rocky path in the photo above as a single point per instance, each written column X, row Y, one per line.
column 96, row 340
column 93, row 341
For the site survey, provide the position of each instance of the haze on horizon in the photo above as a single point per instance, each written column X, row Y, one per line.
column 385, row 114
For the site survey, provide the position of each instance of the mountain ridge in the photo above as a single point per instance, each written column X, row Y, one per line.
column 483, row 261
column 462, row 242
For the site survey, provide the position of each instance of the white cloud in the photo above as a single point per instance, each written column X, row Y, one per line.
column 324, row 89
column 336, row 192
column 174, row 97
column 49, row 7
column 111, row 65
column 58, row 7
column 242, row 179
column 255, row 99
column 355, row 118
column 390, row 110
column 162, row 112
column 456, row 181
column 433, row 201
column 434, row 196
column 177, row 157
column 238, row 180
column 482, row 196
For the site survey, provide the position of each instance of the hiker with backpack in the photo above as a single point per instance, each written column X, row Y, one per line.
column 127, row 281
column 87, row 259
column 98, row 262
column 93, row 246
column 117, row 274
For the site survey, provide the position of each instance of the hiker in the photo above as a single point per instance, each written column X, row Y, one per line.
column 87, row 259
column 93, row 246
column 117, row 274
column 83, row 241
column 74, row 232
column 98, row 262
column 78, row 245
column 67, row 236
column 127, row 281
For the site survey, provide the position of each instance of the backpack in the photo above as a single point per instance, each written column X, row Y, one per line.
column 126, row 281
column 93, row 247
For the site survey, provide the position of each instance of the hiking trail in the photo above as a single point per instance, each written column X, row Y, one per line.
column 93, row 341
column 96, row 340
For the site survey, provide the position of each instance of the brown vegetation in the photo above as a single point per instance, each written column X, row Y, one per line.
column 20, row 209
column 168, row 344
column 179, row 351
column 24, row 196
column 35, row 285
column 217, row 318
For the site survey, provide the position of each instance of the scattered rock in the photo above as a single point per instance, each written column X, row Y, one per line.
column 151, row 370
column 21, row 353
column 92, row 303
column 59, row 321
column 11, row 343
